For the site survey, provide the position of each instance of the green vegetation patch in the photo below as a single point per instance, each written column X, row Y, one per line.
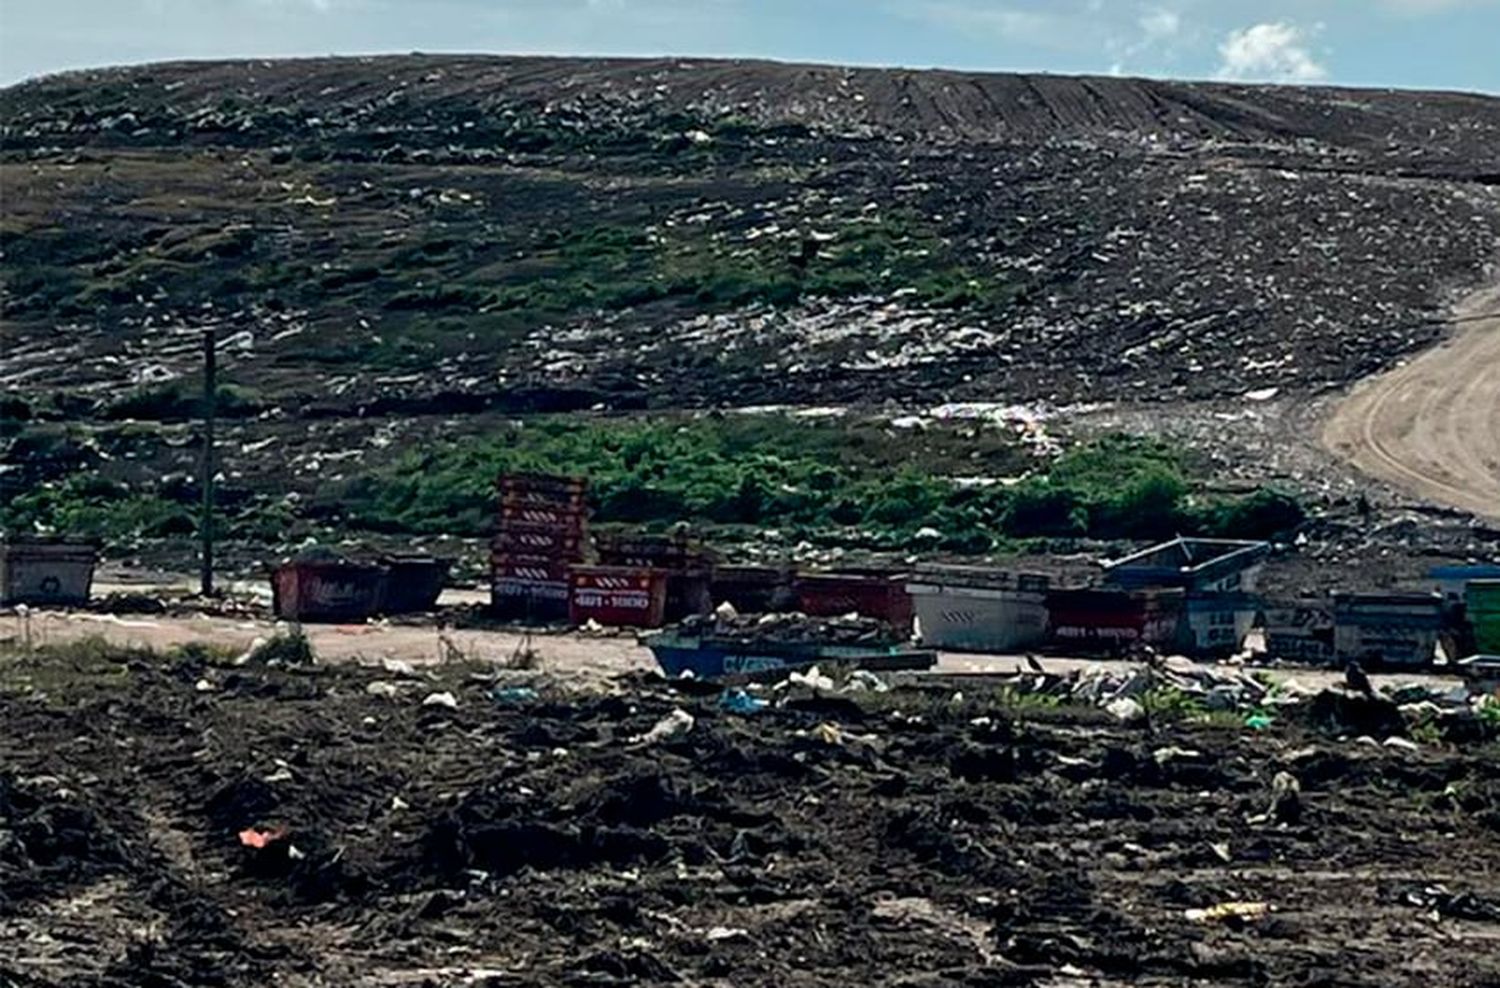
column 855, row 483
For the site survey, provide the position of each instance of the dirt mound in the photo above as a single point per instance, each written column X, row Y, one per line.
column 303, row 827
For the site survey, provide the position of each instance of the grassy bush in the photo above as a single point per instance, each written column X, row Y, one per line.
column 861, row 483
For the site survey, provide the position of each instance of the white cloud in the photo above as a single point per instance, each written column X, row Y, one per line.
column 1272, row 51
column 1160, row 23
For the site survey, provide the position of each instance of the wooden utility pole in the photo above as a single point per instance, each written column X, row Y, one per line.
column 206, row 521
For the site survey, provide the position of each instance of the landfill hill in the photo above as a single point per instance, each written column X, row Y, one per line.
column 458, row 234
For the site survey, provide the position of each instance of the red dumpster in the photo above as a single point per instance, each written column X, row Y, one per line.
column 882, row 596
column 328, row 590
column 754, row 589
column 618, row 596
column 1113, row 621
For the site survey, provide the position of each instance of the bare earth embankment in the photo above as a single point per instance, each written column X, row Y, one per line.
column 1432, row 425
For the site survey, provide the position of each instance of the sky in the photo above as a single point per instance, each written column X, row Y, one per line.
column 1427, row 44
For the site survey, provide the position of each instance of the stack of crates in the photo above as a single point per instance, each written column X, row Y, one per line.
column 542, row 533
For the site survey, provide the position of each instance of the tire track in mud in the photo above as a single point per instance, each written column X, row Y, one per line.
column 1431, row 427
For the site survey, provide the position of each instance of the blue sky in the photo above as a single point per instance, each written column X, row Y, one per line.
column 1446, row 44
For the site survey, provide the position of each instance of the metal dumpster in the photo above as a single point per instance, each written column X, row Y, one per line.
column 46, row 572
column 1387, row 629
column 979, row 610
column 1093, row 621
column 1300, row 630
column 881, row 596
column 333, row 591
column 413, row 583
column 618, row 596
column 1215, row 625
column 754, row 589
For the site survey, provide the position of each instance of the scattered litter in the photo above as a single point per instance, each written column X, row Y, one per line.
column 1126, row 710
column 676, row 723
column 1243, row 911
column 1286, row 798
column 813, row 679
column 382, row 688
column 737, row 701
column 513, row 694
column 259, row 838
column 443, row 699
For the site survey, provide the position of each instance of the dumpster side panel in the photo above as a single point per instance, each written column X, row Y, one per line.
column 1217, row 623
column 331, row 591
column 882, row 597
column 1300, row 631
column 1387, row 629
column 617, row 597
column 1092, row 621
column 754, row 589
column 41, row 574
column 414, row 584
column 977, row 619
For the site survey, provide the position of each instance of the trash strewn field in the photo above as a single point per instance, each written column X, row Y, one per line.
column 180, row 819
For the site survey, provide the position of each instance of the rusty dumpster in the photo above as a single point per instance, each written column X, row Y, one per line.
column 1114, row 622
column 333, row 591
column 46, row 572
column 879, row 595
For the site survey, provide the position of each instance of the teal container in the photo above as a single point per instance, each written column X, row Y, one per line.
column 1482, row 605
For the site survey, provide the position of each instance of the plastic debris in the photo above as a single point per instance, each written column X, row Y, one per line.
column 443, row 699
column 813, row 679
column 260, row 838
column 1126, row 710
column 737, row 701
column 676, row 723
column 1234, row 910
column 1286, row 798
column 513, row 694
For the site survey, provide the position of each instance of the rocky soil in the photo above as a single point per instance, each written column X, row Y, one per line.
column 180, row 822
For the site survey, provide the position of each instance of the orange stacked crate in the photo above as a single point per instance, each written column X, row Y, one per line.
column 542, row 533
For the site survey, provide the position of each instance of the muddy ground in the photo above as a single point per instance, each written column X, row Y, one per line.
column 913, row 838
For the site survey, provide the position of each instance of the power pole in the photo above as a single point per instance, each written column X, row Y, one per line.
column 206, row 521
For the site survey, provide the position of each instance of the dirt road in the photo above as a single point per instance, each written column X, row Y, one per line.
column 1432, row 425
column 580, row 658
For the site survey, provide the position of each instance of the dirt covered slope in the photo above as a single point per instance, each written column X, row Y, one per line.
column 912, row 838
column 458, row 233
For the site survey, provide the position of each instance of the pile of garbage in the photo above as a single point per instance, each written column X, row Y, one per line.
column 851, row 629
column 1179, row 685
